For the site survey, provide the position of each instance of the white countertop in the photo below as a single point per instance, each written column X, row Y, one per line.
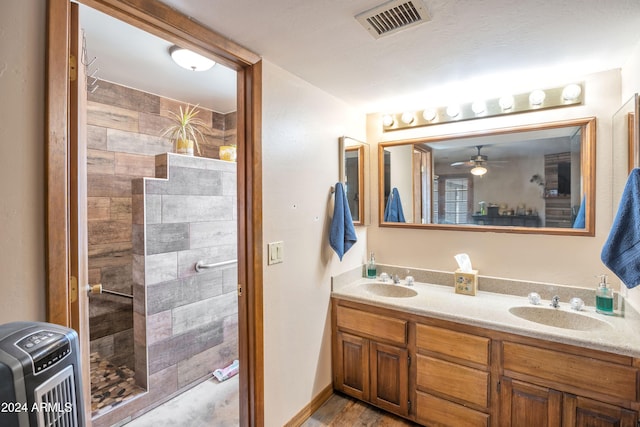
column 491, row 310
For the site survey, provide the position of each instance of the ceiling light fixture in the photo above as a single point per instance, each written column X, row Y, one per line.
column 190, row 60
column 479, row 170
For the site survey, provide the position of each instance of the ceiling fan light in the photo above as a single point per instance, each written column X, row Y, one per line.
column 478, row 170
column 190, row 60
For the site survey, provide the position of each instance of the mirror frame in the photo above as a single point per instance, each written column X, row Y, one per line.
column 587, row 171
column 360, row 155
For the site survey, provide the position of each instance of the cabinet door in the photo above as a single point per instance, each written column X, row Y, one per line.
column 526, row 405
column 583, row 412
column 351, row 370
column 389, row 378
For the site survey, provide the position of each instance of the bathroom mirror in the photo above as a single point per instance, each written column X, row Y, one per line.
column 352, row 160
column 626, row 145
column 535, row 179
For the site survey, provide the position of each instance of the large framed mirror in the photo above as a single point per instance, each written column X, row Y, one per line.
column 535, row 179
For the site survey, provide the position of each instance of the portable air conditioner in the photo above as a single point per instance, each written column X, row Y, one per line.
column 40, row 379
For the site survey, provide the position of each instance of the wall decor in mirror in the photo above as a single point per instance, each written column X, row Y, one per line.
column 534, row 179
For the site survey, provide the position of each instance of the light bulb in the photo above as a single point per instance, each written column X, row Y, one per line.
column 571, row 92
column 536, row 98
column 479, row 170
column 506, row 102
column 429, row 114
column 479, row 107
column 453, row 111
column 387, row 120
column 407, row 118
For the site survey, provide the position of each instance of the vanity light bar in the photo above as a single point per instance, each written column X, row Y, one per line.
column 562, row 96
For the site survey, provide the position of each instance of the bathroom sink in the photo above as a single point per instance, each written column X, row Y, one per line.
column 389, row 290
column 559, row 318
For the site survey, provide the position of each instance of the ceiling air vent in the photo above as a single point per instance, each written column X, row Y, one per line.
column 393, row 16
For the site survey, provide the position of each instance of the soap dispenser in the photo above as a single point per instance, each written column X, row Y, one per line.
column 371, row 267
column 604, row 297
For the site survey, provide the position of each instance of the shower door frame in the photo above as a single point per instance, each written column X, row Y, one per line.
column 66, row 193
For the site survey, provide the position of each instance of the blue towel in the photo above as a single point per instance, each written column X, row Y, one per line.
column 342, row 234
column 621, row 251
column 579, row 222
column 393, row 211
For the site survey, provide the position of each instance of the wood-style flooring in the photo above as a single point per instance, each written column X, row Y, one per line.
column 342, row 411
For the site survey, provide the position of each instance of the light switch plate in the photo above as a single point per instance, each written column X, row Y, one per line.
column 275, row 253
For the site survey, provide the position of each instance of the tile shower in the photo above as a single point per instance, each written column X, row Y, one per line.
column 185, row 326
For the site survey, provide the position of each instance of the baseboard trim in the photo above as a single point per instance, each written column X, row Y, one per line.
column 312, row 407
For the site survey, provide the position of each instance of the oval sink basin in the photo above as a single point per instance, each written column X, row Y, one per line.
column 389, row 290
column 559, row 318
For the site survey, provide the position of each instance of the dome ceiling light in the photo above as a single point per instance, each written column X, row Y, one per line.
column 190, row 60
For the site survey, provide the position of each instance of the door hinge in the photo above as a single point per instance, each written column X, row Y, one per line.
column 498, row 385
column 409, row 405
column 73, row 289
column 239, row 289
column 409, row 360
column 73, row 68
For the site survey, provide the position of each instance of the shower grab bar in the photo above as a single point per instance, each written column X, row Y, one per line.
column 98, row 289
column 200, row 265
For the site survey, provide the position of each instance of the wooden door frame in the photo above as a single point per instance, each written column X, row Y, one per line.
column 162, row 21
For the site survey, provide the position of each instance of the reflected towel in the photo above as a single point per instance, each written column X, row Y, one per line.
column 226, row 373
column 342, row 234
column 621, row 251
column 393, row 211
column 579, row 222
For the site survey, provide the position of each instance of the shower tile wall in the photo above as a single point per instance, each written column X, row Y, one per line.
column 124, row 135
column 185, row 322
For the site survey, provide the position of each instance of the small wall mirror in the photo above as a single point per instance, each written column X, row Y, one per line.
column 530, row 179
column 352, row 160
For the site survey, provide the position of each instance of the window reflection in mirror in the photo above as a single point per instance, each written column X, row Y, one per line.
column 532, row 179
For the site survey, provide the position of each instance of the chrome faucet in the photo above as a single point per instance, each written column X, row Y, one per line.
column 396, row 279
column 555, row 301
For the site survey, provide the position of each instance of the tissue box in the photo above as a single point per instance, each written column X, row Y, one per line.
column 466, row 282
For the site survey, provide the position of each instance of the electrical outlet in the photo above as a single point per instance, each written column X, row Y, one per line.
column 275, row 253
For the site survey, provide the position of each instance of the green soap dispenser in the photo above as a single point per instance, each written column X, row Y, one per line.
column 604, row 297
column 371, row 267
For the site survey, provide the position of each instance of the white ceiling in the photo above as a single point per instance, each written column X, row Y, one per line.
column 469, row 48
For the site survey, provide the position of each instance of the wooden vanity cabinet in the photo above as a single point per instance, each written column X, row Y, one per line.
column 371, row 359
column 461, row 376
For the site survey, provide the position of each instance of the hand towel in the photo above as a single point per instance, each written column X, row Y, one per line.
column 342, row 234
column 579, row 222
column 393, row 212
column 621, row 251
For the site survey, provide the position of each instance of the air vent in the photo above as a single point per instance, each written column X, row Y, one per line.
column 393, row 16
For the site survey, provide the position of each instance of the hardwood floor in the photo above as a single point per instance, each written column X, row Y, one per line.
column 342, row 411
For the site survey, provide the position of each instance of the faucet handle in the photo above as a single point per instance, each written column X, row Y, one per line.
column 534, row 298
column 555, row 301
column 384, row 277
column 576, row 303
column 409, row 280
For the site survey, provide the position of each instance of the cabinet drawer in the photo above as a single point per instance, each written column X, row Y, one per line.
column 382, row 328
column 456, row 344
column 457, row 381
column 431, row 410
column 576, row 371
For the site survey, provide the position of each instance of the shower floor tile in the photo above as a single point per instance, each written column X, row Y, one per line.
column 110, row 385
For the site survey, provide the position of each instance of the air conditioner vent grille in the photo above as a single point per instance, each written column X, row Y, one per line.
column 393, row 16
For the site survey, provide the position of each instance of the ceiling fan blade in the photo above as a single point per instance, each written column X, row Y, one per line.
column 467, row 163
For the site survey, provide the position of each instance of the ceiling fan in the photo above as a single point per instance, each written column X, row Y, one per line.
column 477, row 163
